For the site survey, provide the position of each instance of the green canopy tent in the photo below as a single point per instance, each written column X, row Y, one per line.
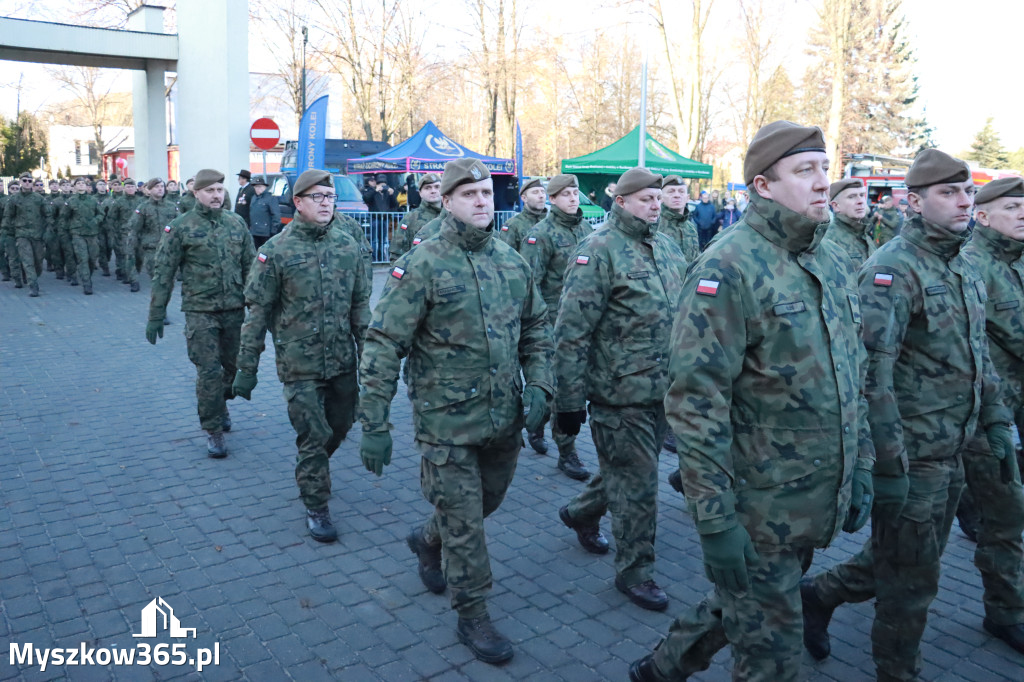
column 597, row 169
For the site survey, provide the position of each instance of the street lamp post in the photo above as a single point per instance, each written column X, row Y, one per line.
column 305, row 40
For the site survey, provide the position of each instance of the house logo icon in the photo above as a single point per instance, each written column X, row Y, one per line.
column 159, row 612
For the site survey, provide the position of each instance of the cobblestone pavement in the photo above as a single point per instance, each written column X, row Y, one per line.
column 107, row 501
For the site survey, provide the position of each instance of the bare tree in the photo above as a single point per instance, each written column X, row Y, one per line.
column 285, row 21
column 93, row 98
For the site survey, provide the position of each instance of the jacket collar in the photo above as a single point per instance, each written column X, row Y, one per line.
column 783, row 227
column 308, row 229
column 934, row 239
column 631, row 226
column 563, row 219
column 466, row 237
column 1000, row 246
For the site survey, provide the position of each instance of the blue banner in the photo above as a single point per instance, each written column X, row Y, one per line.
column 519, row 162
column 312, row 133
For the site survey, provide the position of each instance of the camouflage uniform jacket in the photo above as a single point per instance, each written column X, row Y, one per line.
column 767, row 374
column 26, row 214
column 516, row 227
column 308, row 287
column 998, row 258
column 930, row 379
column 890, row 222
column 353, row 229
column 615, row 319
column 411, row 225
column 186, row 202
column 146, row 224
column 83, row 215
column 852, row 237
column 680, row 228
column 465, row 309
column 431, row 229
column 215, row 252
column 547, row 247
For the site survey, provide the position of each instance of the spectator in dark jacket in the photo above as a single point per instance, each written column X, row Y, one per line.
column 412, row 192
column 378, row 196
column 264, row 213
column 706, row 218
column 729, row 215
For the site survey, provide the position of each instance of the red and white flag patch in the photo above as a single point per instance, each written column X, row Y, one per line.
column 504, row 228
column 404, row 226
column 416, row 241
column 137, row 210
column 167, row 228
column 582, row 260
column 882, row 279
column 398, row 273
column 262, row 257
column 531, row 240
column 708, row 287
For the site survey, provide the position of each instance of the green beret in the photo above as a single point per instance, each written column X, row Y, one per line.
column 460, row 172
column 672, row 180
column 839, row 185
column 931, row 167
column 312, row 178
column 560, row 182
column 776, row 141
column 427, row 179
column 153, row 182
column 636, row 179
column 1003, row 187
column 530, row 184
column 205, row 178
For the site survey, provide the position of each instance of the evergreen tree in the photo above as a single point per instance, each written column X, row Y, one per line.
column 22, row 143
column 987, row 150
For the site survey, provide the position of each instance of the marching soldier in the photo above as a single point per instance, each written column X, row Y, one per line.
column 146, row 225
column 83, row 223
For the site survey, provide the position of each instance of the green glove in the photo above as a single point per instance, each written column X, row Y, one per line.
column 890, row 495
column 862, row 496
column 726, row 556
column 154, row 328
column 535, row 407
column 1000, row 441
column 375, row 450
column 243, row 384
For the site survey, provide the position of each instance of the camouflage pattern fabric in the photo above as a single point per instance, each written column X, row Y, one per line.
column 5, row 245
column 212, row 338
column 355, row 230
column 30, row 256
column 51, row 235
column 680, row 228
column 143, row 232
column 410, row 227
column 24, row 222
column 119, row 212
column 890, row 223
column 65, row 243
column 431, row 229
column 87, row 253
column 186, row 202
column 82, row 216
column 515, row 228
column 103, row 240
column 851, row 236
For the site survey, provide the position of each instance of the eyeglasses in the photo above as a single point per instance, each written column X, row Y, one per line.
column 318, row 197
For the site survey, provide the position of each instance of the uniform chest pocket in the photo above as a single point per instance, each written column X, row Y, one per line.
column 294, row 260
column 564, row 243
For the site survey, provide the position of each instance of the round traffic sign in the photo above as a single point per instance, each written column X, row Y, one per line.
column 264, row 133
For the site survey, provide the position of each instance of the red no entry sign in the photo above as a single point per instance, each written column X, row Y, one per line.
column 264, row 133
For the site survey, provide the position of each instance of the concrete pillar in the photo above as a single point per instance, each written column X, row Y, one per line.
column 213, row 87
column 148, row 108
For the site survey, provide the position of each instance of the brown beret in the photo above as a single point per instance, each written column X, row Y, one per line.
column 153, row 182
column 427, row 179
column 636, row 179
column 460, row 172
column 931, row 167
column 839, row 185
column 1003, row 187
column 776, row 141
column 672, row 180
column 530, row 184
column 312, row 178
column 128, row 181
column 560, row 182
column 205, row 178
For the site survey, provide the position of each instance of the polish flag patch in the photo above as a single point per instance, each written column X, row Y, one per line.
column 167, row 228
column 708, row 287
column 416, row 241
column 504, row 228
column 404, row 226
column 882, row 280
column 531, row 240
column 262, row 257
column 136, row 210
column 398, row 273
column 582, row 260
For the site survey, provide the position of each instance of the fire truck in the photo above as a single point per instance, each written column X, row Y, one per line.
column 886, row 174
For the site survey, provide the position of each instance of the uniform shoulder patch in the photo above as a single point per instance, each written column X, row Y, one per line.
column 504, row 228
column 582, row 260
column 167, row 228
column 882, row 279
column 398, row 273
column 416, row 240
column 138, row 211
column 531, row 240
column 262, row 257
column 708, row 287
column 404, row 226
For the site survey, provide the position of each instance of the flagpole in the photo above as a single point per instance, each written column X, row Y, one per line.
column 641, row 156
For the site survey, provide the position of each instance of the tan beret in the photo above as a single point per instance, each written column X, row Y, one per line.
column 560, row 182
column 206, row 177
column 460, row 172
column 672, row 180
column 839, row 185
column 931, row 167
column 427, row 179
column 776, row 141
column 530, row 184
column 312, row 178
column 1003, row 187
column 153, row 182
column 636, row 179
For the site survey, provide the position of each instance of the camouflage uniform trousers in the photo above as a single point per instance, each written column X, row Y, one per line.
column 563, row 441
column 628, row 442
column 67, row 249
column 466, row 484
column 87, row 251
column 764, row 624
column 999, row 554
column 30, row 253
column 115, row 244
column 144, row 259
column 321, row 412
column 899, row 566
column 10, row 264
column 54, row 253
column 212, row 339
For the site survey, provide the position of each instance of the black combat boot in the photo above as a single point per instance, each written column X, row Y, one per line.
column 18, row 283
column 1013, row 635
column 87, row 288
column 33, row 289
column 670, row 442
column 537, row 442
column 6, row 277
column 675, row 479
column 430, row 561
column 72, row 280
column 106, row 271
column 60, row 274
column 486, row 643
column 570, row 465
column 215, row 446
column 968, row 516
column 589, row 535
column 318, row 521
column 646, row 595
column 134, row 286
column 225, row 421
column 644, row 670
column 816, row 619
